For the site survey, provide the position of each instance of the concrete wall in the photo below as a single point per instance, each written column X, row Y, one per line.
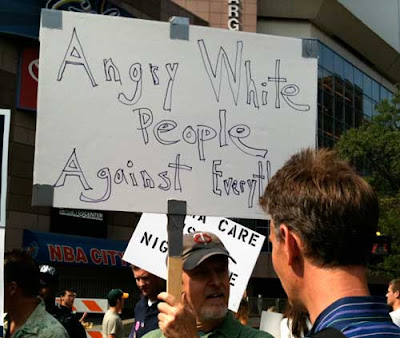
column 383, row 17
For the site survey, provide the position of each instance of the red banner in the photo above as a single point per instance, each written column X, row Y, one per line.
column 28, row 78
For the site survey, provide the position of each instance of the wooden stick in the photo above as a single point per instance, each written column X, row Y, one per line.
column 176, row 222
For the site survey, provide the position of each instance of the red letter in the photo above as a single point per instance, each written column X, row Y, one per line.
column 69, row 256
column 55, row 253
column 105, row 257
column 80, row 255
column 94, row 255
column 113, row 253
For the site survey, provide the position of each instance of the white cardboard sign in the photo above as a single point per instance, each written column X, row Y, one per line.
column 148, row 247
column 129, row 118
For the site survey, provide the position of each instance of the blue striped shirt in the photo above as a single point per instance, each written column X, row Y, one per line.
column 358, row 317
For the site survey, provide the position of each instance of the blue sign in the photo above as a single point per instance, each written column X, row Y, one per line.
column 22, row 17
column 52, row 248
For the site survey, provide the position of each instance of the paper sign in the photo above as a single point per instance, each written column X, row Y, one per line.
column 271, row 322
column 129, row 118
column 148, row 247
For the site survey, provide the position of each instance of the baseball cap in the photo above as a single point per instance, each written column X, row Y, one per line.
column 48, row 275
column 200, row 245
column 116, row 294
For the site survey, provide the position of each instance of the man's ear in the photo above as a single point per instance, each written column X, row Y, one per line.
column 397, row 294
column 292, row 243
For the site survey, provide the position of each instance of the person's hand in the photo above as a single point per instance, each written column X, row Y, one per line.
column 176, row 318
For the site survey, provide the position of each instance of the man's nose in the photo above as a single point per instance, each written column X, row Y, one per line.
column 215, row 278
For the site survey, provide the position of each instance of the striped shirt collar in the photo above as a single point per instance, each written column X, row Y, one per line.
column 349, row 311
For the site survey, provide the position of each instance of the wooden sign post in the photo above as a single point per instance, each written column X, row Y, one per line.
column 176, row 218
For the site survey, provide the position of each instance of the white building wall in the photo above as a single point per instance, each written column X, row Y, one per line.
column 382, row 16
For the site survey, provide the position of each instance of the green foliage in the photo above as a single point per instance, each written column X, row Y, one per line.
column 389, row 225
column 375, row 149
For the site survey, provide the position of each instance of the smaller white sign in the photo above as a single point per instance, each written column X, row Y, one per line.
column 271, row 322
column 148, row 247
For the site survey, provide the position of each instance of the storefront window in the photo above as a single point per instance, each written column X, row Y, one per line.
column 349, row 115
column 327, row 58
column 327, row 103
column 338, row 65
column 367, row 84
column 367, row 105
column 327, row 81
column 375, row 91
column 339, row 86
column 348, row 72
column 358, row 78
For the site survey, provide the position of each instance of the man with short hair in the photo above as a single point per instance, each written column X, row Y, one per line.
column 27, row 315
column 67, row 298
column 112, row 323
column 146, row 310
column 323, row 220
column 203, row 309
column 393, row 300
column 68, row 318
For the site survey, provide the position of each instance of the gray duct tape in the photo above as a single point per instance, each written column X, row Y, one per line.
column 51, row 19
column 42, row 195
column 310, row 48
column 179, row 28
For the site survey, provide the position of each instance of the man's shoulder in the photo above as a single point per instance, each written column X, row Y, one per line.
column 48, row 326
column 154, row 334
column 247, row 331
column 232, row 327
column 141, row 303
column 111, row 314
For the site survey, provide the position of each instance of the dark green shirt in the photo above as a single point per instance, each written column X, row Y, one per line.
column 230, row 328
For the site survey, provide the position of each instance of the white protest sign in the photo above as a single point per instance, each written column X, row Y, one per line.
column 4, row 135
column 129, row 118
column 271, row 322
column 148, row 247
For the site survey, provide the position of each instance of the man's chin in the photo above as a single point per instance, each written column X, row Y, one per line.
column 213, row 312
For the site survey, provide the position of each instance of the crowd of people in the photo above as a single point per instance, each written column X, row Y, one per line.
column 323, row 220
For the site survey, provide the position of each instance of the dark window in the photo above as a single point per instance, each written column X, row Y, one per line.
column 367, row 85
column 328, row 124
column 358, row 79
column 339, row 86
column 348, row 92
column 79, row 222
column 349, row 115
column 327, row 81
column 327, row 58
column 348, row 72
column 367, row 105
column 375, row 91
column 338, row 65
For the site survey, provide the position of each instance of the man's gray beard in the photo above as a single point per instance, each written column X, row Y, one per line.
column 213, row 312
